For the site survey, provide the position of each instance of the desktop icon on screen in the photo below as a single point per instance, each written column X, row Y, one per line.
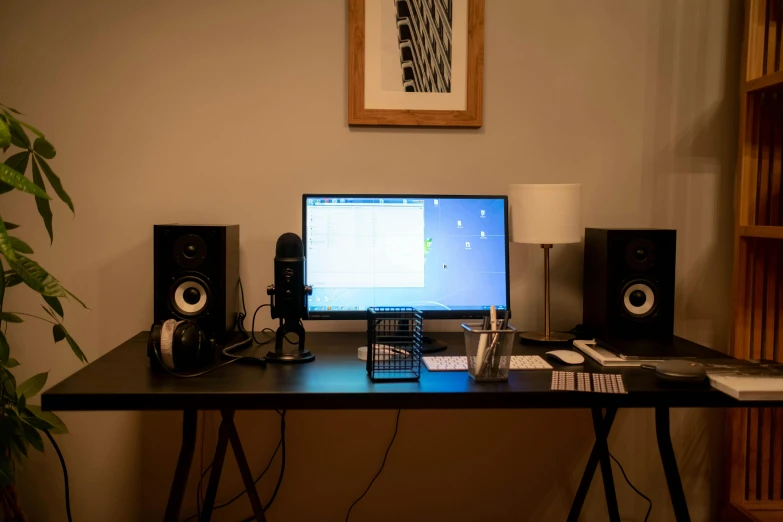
column 467, row 245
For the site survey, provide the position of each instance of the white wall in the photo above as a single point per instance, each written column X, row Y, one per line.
column 227, row 111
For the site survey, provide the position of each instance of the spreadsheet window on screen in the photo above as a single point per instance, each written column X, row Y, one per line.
column 433, row 253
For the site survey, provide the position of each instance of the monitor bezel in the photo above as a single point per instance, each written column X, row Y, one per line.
column 426, row 314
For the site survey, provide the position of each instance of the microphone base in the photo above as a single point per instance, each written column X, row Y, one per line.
column 290, row 358
column 301, row 355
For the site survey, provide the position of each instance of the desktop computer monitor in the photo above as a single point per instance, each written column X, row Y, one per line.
column 446, row 256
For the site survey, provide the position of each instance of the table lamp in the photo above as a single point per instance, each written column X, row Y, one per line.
column 546, row 215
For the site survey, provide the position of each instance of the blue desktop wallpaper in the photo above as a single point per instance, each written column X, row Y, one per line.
column 456, row 277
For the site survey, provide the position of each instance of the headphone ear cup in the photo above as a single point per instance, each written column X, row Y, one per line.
column 188, row 345
column 167, row 343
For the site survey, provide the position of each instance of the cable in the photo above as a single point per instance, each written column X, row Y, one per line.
column 396, row 426
column 156, row 351
column 645, row 497
column 280, row 443
column 65, row 475
column 253, row 328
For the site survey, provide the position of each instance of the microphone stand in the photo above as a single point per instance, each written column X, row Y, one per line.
column 289, row 325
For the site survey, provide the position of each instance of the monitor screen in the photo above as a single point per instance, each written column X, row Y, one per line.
column 444, row 255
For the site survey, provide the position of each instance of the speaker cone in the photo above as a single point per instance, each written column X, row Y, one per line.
column 190, row 296
column 641, row 254
column 639, row 299
column 190, row 250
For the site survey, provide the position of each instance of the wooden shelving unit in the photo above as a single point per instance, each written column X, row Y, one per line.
column 755, row 435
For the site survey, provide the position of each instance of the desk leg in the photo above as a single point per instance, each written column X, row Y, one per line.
column 217, row 469
column 592, row 464
column 177, row 492
column 244, row 468
column 670, row 465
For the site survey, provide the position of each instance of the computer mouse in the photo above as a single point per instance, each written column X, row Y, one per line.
column 567, row 356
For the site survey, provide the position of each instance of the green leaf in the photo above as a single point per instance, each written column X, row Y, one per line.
column 11, row 433
column 10, row 318
column 58, row 333
column 55, row 425
column 56, row 184
column 44, row 148
column 5, row 244
column 18, row 181
column 32, row 386
column 5, row 350
column 20, row 246
column 11, row 363
column 21, row 403
column 5, row 134
column 9, row 383
column 12, row 279
column 10, row 226
column 33, row 437
column 6, row 471
column 55, row 304
column 76, row 298
column 31, row 128
column 11, row 109
column 43, row 205
column 2, row 284
column 18, row 135
column 75, row 347
column 18, row 162
column 36, row 277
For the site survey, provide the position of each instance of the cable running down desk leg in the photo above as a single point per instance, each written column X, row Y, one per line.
column 244, row 468
column 592, row 464
column 188, row 446
column 669, row 462
column 601, row 436
column 214, row 474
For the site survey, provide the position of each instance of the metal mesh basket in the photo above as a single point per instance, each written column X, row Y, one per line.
column 394, row 344
column 488, row 351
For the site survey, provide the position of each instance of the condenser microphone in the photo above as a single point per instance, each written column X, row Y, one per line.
column 290, row 293
column 289, row 299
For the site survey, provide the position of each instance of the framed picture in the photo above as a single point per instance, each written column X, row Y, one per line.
column 416, row 62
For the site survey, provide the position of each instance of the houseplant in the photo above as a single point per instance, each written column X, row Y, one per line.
column 22, row 424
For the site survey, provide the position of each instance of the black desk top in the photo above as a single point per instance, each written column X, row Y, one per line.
column 122, row 380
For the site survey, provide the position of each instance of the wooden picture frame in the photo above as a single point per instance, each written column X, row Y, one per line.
column 471, row 116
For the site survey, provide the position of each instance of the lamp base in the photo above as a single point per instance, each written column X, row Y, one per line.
column 540, row 337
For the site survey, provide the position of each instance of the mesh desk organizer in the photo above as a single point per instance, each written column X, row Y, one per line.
column 394, row 336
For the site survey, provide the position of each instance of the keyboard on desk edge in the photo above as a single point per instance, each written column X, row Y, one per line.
column 459, row 363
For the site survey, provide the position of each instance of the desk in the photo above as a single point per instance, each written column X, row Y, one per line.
column 122, row 380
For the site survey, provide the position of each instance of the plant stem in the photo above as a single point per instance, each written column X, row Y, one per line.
column 35, row 316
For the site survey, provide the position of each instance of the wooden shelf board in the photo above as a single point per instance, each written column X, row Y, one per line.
column 766, row 82
column 764, row 232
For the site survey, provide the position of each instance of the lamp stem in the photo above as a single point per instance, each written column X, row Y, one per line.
column 546, row 291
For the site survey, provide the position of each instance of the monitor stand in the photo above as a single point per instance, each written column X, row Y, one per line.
column 431, row 345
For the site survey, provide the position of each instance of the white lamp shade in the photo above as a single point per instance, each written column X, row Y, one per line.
column 546, row 214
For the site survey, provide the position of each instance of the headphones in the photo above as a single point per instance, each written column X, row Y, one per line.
column 182, row 346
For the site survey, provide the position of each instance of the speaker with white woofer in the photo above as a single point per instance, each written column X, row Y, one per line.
column 197, row 275
column 629, row 284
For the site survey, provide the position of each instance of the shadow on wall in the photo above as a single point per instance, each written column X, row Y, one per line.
column 690, row 156
column 691, row 124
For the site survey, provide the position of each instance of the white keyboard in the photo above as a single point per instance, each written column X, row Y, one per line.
column 459, row 363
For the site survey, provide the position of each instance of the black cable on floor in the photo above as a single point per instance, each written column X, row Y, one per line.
column 396, row 426
column 65, row 476
column 645, row 497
